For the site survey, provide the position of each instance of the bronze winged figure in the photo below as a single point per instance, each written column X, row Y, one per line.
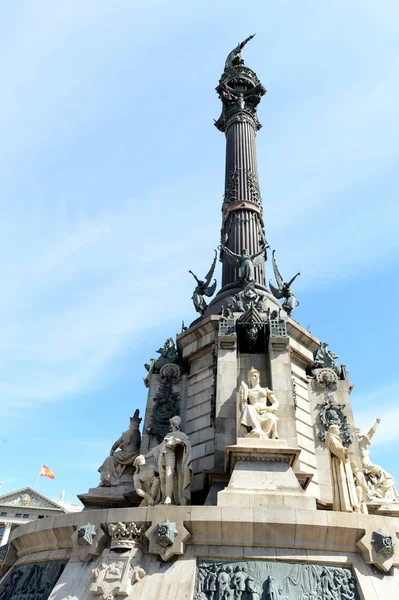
column 204, row 288
column 245, row 262
column 284, row 288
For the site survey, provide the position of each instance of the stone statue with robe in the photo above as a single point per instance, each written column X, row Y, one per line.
column 118, row 461
column 172, row 458
column 258, row 407
column 345, row 498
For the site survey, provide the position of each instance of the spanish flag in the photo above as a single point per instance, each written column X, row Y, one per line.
column 46, row 472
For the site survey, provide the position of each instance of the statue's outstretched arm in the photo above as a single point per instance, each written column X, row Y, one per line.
column 374, row 428
column 242, row 44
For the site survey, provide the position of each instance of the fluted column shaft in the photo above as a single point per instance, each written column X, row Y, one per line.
column 242, row 226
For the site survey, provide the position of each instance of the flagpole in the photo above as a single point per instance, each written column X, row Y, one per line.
column 37, row 480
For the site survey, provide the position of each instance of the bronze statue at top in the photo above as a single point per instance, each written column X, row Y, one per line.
column 234, row 58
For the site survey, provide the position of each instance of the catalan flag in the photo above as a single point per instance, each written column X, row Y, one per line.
column 46, row 472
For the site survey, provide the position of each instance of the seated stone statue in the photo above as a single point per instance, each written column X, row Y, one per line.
column 258, row 406
column 115, row 464
column 146, row 482
column 172, row 458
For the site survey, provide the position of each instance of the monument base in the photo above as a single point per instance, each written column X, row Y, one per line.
column 262, row 474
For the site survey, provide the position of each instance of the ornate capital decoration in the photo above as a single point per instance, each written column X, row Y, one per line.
column 125, row 536
column 166, row 533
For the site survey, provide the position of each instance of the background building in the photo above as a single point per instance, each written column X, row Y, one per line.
column 26, row 505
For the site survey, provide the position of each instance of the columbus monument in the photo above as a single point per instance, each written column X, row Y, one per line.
column 246, row 478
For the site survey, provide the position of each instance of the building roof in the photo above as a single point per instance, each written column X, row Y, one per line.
column 27, row 497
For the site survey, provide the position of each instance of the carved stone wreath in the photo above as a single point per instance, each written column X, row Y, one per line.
column 171, row 372
column 326, row 379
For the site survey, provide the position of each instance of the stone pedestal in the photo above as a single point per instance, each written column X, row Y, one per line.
column 110, row 497
column 262, row 474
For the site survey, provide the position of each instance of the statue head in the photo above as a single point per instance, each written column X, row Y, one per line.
column 175, row 423
column 253, row 377
column 139, row 461
column 135, row 420
column 244, row 252
column 354, row 466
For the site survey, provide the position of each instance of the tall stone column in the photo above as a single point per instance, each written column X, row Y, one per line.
column 242, row 223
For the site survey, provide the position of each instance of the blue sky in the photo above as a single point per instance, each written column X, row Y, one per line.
column 110, row 189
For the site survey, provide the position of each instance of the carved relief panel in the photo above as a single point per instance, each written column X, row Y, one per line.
column 266, row 580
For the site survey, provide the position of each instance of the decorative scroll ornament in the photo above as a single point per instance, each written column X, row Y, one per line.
column 166, row 401
column 332, row 413
column 166, row 533
column 326, row 379
column 383, row 543
column 85, row 535
column 125, row 536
